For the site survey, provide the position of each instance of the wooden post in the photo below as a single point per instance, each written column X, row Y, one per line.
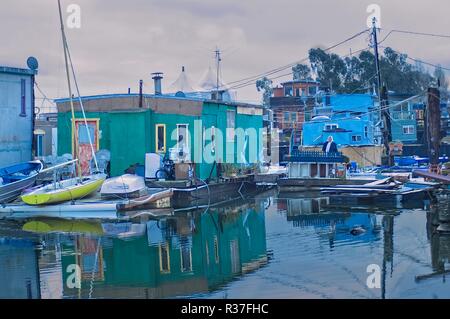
column 386, row 117
column 434, row 128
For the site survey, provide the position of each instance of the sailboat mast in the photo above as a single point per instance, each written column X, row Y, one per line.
column 68, row 82
column 68, row 59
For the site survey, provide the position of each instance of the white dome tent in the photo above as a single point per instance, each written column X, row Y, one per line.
column 183, row 84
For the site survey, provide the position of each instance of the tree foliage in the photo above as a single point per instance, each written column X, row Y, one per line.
column 265, row 85
column 357, row 74
column 301, row 72
column 441, row 82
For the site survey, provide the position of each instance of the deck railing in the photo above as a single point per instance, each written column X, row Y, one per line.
column 314, row 157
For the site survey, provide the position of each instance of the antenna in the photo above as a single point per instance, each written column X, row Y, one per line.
column 218, row 60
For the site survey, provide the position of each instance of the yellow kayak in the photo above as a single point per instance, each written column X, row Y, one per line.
column 63, row 226
column 64, row 191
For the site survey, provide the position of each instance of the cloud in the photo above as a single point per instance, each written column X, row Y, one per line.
column 121, row 42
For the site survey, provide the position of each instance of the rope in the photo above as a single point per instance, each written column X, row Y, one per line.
column 91, row 287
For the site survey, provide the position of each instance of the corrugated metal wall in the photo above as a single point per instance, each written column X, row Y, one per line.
column 15, row 130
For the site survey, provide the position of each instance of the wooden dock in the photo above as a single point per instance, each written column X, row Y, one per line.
column 310, row 184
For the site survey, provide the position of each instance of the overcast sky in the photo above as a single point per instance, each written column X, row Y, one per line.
column 120, row 42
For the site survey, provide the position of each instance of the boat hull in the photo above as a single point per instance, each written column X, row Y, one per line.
column 125, row 186
column 10, row 191
column 40, row 197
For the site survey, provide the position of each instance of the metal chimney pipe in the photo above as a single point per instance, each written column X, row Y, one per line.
column 157, row 77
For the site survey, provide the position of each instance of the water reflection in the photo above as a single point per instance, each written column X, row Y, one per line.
column 332, row 226
column 438, row 218
column 167, row 257
column 316, row 250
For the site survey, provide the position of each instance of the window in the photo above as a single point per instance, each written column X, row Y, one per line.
column 286, row 116
column 420, row 115
column 331, row 127
column 164, row 258
column 186, row 257
column 160, row 138
column 366, row 132
column 312, row 90
column 213, row 139
column 294, row 117
column 235, row 258
column 356, row 138
column 83, row 136
column 39, row 145
column 23, row 104
column 183, row 137
column 231, row 124
column 288, row 91
column 216, row 249
column 408, row 129
column 298, row 92
column 207, row 252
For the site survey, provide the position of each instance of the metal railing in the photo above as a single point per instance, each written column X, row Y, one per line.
column 314, row 157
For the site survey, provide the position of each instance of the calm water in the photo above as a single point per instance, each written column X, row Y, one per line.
column 275, row 246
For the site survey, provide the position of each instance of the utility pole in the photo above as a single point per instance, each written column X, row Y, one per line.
column 383, row 112
column 387, row 135
column 218, row 60
column 377, row 58
column 434, row 128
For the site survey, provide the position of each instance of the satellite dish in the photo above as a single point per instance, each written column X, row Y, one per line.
column 32, row 63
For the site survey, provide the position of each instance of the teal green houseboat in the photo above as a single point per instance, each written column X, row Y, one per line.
column 132, row 125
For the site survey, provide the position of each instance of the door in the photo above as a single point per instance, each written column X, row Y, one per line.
column 84, row 153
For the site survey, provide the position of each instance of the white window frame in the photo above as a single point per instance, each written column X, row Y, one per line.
column 230, row 130
column 408, row 129
column 330, row 127
column 186, row 141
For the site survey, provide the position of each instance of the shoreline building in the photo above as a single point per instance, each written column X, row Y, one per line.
column 17, row 109
column 163, row 124
column 291, row 106
column 350, row 119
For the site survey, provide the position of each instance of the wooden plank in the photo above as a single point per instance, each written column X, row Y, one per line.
column 442, row 178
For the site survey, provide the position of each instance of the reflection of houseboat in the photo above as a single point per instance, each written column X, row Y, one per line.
column 20, row 279
column 308, row 212
column 180, row 255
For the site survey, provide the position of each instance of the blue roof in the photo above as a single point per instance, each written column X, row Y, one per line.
column 351, row 102
column 10, row 70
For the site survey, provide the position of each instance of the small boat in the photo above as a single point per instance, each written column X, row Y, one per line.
column 125, row 186
column 66, row 190
column 16, row 178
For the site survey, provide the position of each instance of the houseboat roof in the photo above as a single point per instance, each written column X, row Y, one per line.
column 351, row 102
column 300, row 82
column 18, row 71
column 189, row 105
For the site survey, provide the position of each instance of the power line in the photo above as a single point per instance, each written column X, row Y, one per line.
column 415, row 33
column 419, row 60
column 252, row 79
column 252, row 82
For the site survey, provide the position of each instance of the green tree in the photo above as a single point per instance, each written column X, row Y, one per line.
column 301, row 72
column 357, row 74
column 265, row 85
column 441, row 80
column 330, row 68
